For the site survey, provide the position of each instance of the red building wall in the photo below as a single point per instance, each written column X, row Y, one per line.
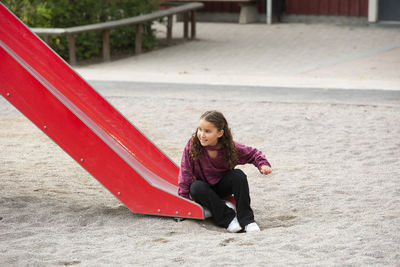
column 302, row 7
column 228, row 7
column 327, row 7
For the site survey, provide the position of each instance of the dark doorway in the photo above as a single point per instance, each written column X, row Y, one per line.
column 389, row 10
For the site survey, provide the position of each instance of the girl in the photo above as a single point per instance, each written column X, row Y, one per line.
column 208, row 173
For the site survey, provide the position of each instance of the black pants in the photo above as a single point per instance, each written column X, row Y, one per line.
column 212, row 197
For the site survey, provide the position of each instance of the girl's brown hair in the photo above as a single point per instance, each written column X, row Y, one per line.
column 226, row 140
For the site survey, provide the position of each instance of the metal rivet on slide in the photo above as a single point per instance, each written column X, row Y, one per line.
column 177, row 212
column 81, row 160
column 158, row 210
column 45, row 127
column 189, row 213
column 8, row 94
column 119, row 193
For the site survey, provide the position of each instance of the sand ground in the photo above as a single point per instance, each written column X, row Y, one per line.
column 332, row 199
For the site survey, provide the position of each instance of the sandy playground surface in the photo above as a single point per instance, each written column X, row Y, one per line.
column 333, row 198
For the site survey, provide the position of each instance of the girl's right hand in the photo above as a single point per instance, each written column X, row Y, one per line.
column 265, row 169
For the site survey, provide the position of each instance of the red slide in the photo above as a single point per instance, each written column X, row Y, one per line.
column 58, row 101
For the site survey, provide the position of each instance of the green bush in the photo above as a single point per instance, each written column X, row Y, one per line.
column 68, row 13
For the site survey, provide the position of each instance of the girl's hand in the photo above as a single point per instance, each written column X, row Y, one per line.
column 265, row 169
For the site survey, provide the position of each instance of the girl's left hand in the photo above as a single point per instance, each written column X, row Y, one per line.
column 265, row 169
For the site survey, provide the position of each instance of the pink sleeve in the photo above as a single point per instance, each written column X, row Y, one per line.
column 185, row 177
column 251, row 155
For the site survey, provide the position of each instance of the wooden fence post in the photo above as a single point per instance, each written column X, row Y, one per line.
column 193, row 24
column 46, row 38
column 169, row 30
column 186, row 25
column 138, row 38
column 106, row 45
column 71, row 48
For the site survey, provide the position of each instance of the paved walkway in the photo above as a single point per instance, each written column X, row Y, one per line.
column 280, row 55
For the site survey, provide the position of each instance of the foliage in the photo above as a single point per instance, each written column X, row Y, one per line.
column 68, row 13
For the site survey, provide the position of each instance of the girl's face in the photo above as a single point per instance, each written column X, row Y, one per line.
column 208, row 134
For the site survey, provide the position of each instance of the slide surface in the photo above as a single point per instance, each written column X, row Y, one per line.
column 43, row 87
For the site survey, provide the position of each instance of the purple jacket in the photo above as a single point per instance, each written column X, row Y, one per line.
column 211, row 170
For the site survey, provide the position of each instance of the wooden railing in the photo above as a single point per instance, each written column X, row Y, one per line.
column 188, row 11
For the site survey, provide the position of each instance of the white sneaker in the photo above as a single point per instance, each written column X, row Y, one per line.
column 252, row 227
column 207, row 213
column 234, row 226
